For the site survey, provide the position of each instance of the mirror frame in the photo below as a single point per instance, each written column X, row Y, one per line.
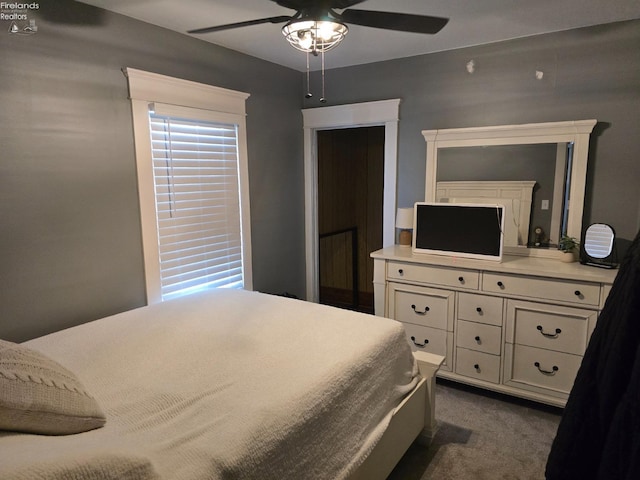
column 576, row 132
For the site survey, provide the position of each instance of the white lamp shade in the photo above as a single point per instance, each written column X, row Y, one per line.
column 404, row 218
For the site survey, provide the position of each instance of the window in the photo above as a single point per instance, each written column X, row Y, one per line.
column 191, row 161
column 195, row 168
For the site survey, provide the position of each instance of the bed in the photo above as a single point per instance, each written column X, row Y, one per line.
column 226, row 384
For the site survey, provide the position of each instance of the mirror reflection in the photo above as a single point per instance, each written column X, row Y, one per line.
column 530, row 180
column 477, row 156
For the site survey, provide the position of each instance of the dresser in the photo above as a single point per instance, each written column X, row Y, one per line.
column 518, row 327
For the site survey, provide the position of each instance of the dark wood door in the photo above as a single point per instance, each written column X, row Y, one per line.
column 350, row 201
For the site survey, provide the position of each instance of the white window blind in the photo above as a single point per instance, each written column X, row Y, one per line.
column 195, row 169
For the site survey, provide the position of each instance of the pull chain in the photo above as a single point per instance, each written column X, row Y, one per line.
column 323, row 99
column 308, row 94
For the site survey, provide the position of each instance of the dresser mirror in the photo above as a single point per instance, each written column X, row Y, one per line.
column 537, row 171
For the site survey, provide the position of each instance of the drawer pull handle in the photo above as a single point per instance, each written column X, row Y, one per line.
column 400, row 271
column 479, row 310
column 421, row 345
column 549, row 335
column 461, row 279
column 578, row 293
column 477, row 339
column 546, row 372
column 424, row 312
column 477, row 367
column 500, row 284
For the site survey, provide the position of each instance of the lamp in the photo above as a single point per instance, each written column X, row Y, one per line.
column 314, row 33
column 404, row 221
column 314, row 36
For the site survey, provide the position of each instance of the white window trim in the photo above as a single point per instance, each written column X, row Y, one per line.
column 226, row 105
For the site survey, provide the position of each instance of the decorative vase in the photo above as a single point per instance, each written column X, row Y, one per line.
column 568, row 257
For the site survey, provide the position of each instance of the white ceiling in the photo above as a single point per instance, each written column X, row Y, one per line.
column 472, row 22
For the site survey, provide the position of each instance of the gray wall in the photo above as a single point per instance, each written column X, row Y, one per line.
column 70, row 241
column 588, row 73
column 70, row 238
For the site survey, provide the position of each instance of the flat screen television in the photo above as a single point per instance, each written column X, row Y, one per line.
column 459, row 229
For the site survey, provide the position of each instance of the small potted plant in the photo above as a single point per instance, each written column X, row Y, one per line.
column 569, row 248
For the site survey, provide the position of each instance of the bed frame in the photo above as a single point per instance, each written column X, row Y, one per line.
column 413, row 419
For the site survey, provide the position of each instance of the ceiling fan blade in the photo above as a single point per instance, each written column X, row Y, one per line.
column 228, row 26
column 403, row 22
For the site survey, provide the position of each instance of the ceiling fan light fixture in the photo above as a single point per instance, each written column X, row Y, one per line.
column 314, row 36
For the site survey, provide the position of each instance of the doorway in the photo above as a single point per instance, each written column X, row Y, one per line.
column 350, row 214
column 382, row 112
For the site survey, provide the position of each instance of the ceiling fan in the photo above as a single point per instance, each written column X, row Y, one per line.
column 316, row 27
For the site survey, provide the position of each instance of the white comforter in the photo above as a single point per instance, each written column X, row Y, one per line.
column 223, row 385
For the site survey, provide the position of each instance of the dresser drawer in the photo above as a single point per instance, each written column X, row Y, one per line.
column 424, row 306
column 480, row 308
column 480, row 337
column 563, row 329
column 449, row 277
column 535, row 368
column 581, row 293
column 430, row 340
column 482, row 366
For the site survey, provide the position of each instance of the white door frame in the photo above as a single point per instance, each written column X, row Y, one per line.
column 384, row 112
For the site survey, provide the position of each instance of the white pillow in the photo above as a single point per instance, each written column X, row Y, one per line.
column 38, row 395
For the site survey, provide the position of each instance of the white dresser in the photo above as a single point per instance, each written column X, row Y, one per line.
column 518, row 327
